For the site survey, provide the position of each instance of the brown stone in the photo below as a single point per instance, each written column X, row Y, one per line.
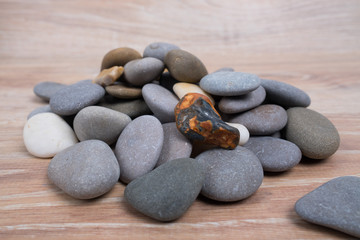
column 123, row 91
column 119, row 57
column 108, row 76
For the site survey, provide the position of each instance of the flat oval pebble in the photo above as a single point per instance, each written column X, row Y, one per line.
column 242, row 103
column 275, row 155
column 100, row 123
column 335, row 204
column 46, row 134
column 123, row 91
column 284, row 94
column 167, row 192
column 158, row 50
column 86, row 170
column 230, row 175
column 262, row 120
column 312, row 132
column 133, row 108
column 175, row 144
column 161, row 102
column 71, row 99
column 182, row 88
column 229, row 83
column 45, row 90
column 38, row 110
column 184, row 66
column 119, row 57
column 141, row 71
column 139, row 146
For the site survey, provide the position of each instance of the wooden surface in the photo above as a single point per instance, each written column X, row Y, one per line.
column 314, row 45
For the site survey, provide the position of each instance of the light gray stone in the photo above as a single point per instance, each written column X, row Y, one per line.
column 158, row 50
column 45, row 90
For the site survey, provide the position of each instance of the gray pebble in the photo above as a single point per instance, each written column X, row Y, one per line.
column 71, row 99
column 242, row 103
column 161, row 102
column 262, row 120
column 225, row 69
column 229, row 83
column 335, row 204
column 159, row 50
column 230, row 175
column 139, row 146
column 100, row 123
column 275, row 155
column 38, row 110
column 167, row 192
column 45, row 90
column 86, row 170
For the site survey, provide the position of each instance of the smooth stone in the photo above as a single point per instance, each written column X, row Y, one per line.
column 167, row 192
column 158, row 50
column 139, row 146
column 119, row 57
column 108, row 76
column 225, row 69
column 242, row 103
column 262, row 120
column 95, row 122
column 46, row 134
column 312, row 132
column 229, row 83
column 184, row 66
column 86, row 170
column 161, row 102
column 335, row 204
column 183, row 88
column 275, row 155
column 175, row 144
column 71, row 99
column 141, row 71
column 123, row 91
column 230, row 175
column 38, row 110
column 45, row 90
column 244, row 132
column 167, row 81
column 284, row 94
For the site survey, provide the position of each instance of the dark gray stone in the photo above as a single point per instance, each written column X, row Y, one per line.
column 335, row 204
column 167, row 81
column 45, row 90
column 158, row 50
column 86, row 170
column 38, row 110
column 167, row 192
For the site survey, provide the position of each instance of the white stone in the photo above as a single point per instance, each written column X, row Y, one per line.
column 244, row 132
column 47, row 134
column 182, row 88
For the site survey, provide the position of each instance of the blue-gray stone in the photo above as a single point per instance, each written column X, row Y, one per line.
column 158, row 50
column 45, row 90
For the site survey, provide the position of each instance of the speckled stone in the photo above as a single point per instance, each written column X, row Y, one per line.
column 71, row 99
column 45, row 90
column 275, row 155
column 312, row 132
column 335, row 204
column 119, row 57
column 229, row 83
column 38, row 110
column 242, row 103
column 167, row 192
column 100, row 123
column 175, row 144
column 262, row 120
column 161, row 102
column 230, row 175
column 123, row 91
column 86, row 170
column 141, row 71
column 139, row 146
column 284, row 94
column 159, row 50
column 184, row 66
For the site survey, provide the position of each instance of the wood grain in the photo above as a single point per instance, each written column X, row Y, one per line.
column 314, row 45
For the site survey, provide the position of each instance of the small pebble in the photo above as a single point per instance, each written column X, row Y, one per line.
column 119, row 57
column 123, row 91
column 45, row 90
column 38, row 110
column 244, row 133
column 159, row 50
column 183, row 88
column 108, row 76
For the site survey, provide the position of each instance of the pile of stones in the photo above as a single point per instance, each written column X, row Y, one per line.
column 163, row 125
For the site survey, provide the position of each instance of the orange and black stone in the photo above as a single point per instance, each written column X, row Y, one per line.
column 197, row 119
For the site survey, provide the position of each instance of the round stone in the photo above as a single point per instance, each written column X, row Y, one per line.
column 183, row 88
column 71, row 99
column 100, row 123
column 242, row 103
column 262, row 120
column 139, row 146
column 229, row 83
column 230, row 175
column 159, row 50
column 184, row 66
column 86, row 170
column 167, row 192
column 275, row 155
column 119, row 57
column 123, row 91
column 161, row 102
column 312, row 132
column 46, row 134
column 45, row 90
column 38, row 110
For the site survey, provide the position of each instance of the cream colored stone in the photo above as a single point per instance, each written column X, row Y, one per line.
column 244, row 132
column 182, row 88
column 46, row 134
